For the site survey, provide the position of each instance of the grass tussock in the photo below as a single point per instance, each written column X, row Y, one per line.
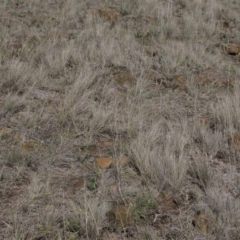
column 119, row 120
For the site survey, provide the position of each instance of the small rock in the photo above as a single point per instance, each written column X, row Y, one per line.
column 54, row 36
column 233, row 49
column 5, row 133
column 104, row 163
column 114, row 188
column 109, row 14
column 203, row 121
column 204, row 222
column 123, row 78
column 180, row 79
column 177, row 83
column 105, row 234
column 123, row 161
column 120, row 216
column 166, row 198
column 150, row 51
column 166, row 83
column 215, row 77
column 74, row 184
column 70, row 184
column 106, row 144
column 234, row 140
column 30, row 145
column 23, row 115
column 154, row 76
column 17, row 138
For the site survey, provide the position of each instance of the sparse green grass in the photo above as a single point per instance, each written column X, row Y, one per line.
column 93, row 184
column 58, row 62
column 143, row 206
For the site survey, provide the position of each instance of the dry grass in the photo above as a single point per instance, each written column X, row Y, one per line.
column 151, row 85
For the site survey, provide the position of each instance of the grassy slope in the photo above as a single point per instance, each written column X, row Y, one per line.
column 151, row 82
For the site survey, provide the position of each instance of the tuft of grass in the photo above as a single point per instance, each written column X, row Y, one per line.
column 142, row 207
column 201, row 173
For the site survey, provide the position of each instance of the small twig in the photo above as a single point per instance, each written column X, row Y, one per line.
column 8, row 225
column 94, row 219
column 120, row 190
column 156, row 216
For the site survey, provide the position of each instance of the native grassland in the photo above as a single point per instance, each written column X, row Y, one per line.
column 119, row 119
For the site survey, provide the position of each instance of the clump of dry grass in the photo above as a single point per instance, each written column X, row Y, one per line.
column 153, row 83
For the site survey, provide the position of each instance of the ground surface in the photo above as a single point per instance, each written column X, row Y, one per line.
column 119, row 119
